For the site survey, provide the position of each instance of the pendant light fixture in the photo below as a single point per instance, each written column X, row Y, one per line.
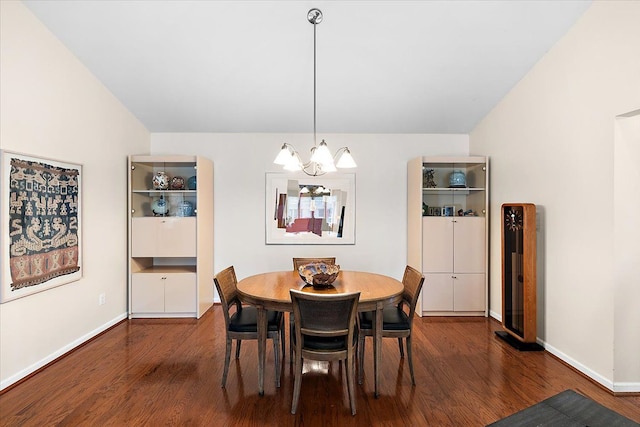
column 321, row 160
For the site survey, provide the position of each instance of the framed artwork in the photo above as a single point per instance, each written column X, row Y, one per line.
column 41, row 224
column 310, row 210
column 448, row 211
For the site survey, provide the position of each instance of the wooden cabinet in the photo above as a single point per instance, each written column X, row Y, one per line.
column 447, row 233
column 170, row 249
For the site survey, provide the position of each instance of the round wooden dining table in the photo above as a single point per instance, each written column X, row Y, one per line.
column 270, row 291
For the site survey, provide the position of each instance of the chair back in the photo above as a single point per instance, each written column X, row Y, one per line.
column 412, row 282
column 324, row 315
column 226, row 283
column 297, row 262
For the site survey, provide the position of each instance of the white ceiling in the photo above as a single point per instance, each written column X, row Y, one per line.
column 247, row 66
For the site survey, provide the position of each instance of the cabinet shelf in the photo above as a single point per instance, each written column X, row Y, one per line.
column 168, row 269
column 159, row 192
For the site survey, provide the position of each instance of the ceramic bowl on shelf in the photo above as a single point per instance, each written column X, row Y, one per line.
column 319, row 274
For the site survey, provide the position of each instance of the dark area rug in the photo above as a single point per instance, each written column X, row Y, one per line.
column 566, row 409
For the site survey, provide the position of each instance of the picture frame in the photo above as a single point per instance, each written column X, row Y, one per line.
column 310, row 210
column 435, row 211
column 448, row 210
column 41, row 224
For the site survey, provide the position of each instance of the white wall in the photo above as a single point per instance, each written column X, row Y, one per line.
column 52, row 107
column 551, row 142
column 626, row 181
column 240, row 164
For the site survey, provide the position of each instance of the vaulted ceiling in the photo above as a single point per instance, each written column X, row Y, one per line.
column 247, row 66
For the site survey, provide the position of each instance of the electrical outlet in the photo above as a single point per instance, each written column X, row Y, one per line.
column 102, row 299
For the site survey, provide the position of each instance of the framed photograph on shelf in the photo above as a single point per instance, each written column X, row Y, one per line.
column 448, row 211
column 435, row 211
column 42, row 224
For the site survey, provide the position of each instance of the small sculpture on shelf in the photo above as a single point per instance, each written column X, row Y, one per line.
column 428, row 178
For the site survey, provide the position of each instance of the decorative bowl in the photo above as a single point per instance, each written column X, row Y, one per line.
column 176, row 183
column 319, row 274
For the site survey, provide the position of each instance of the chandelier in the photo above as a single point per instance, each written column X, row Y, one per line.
column 321, row 160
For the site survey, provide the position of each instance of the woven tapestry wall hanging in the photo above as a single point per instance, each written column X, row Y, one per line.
column 41, row 230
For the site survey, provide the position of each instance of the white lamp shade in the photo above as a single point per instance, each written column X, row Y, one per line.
column 346, row 161
column 321, row 154
column 283, row 156
column 293, row 163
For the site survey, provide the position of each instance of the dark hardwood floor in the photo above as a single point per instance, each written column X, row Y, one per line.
column 168, row 372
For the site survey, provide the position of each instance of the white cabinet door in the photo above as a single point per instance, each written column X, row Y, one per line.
column 180, row 293
column 437, row 244
column 437, row 292
column 177, row 237
column 469, row 245
column 147, row 293
column 469, row 292
column 163, row 237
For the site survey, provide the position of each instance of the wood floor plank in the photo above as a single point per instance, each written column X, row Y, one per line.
column 147, row 372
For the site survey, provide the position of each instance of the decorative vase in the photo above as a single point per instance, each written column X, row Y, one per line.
column 457, row 179
column 185, row 208
column 160, row 181
column 160, row 207
column 191, row 183
column 177, row 183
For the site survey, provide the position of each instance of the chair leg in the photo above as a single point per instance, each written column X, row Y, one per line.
column 413, row 380
column 360, row 358
column 296, row 384
column 350, row 362
column 238, row 342
column 282, row 336
column 227, row 359
column 276, row 356
column 401, row 347
column 291, row 332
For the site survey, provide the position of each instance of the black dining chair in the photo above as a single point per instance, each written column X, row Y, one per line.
column 297, row 263
column 325, row 330
column 241, row 322
column 397, row 320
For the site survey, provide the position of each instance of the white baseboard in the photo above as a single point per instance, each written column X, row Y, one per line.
column 619, row 387
column 60, row 352
column 626, row 387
